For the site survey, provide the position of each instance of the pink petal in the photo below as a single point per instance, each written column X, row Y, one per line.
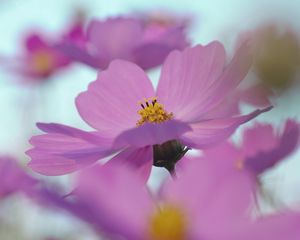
column 111, row 102
column 257, row 95
column 227, row 108
column 140, row 159
column 287, row 143
column 118, row 198
column 114, row 38
column 79, row 54
column 186, row 76
column 35, row 42
column 276, row 227
column 150, row 133
column 75, row 33
column 151, row 54
column 13, row 177
column 65, row 150
column 175, row 37
column 207, row 133
column 154, row 49
column 260, row 137
column 225, row 154
column 92, row 137
column 210, row 196
column 232, row 75
column 229, row 204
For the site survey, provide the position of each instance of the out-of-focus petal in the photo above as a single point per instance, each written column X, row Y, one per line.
column 260, row 137
column 276, row 227
column 118, row 198
column 114, row 38
column 155, row 52
column 211, row 196
column 13, row 178
column 140, row 159
column 111, row 102
column 79, row 54
column 35, row 42
column 156, row 48
column 257, row 95
column 286, row 144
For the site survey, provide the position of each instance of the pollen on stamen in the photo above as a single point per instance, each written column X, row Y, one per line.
column 152, row 112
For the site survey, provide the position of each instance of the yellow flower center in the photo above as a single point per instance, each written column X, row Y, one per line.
column 152, row 112
column 42, row 62
column 239, row 164
column 168, row 223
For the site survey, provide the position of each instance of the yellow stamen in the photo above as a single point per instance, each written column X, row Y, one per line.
column 152, row 112
column 168, row 223
column 42, row 62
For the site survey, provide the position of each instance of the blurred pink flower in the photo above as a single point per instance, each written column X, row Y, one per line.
column 128, row 39
column 40, row 59
column 147, row 126
column 262, row 148
column 117, row 203
column 13, row 177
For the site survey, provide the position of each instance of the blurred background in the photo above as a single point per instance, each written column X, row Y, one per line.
column 22, row 105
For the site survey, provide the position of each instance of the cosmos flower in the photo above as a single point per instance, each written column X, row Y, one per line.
column 262, row 148
column 146, row 126
column 13, row 177
column 188, row 207
column 39, row 59
column 128, row 39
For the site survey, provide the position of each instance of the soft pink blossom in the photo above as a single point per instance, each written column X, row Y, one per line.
column 128, row 39
column 39, row 59
column 204, row 202
column 193, row 83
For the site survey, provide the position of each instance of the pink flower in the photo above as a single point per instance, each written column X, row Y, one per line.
column 128, row 39
column 262, row 148
column 147, row 126
column 204, row 202
column 13, row 177
column 40, row 59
